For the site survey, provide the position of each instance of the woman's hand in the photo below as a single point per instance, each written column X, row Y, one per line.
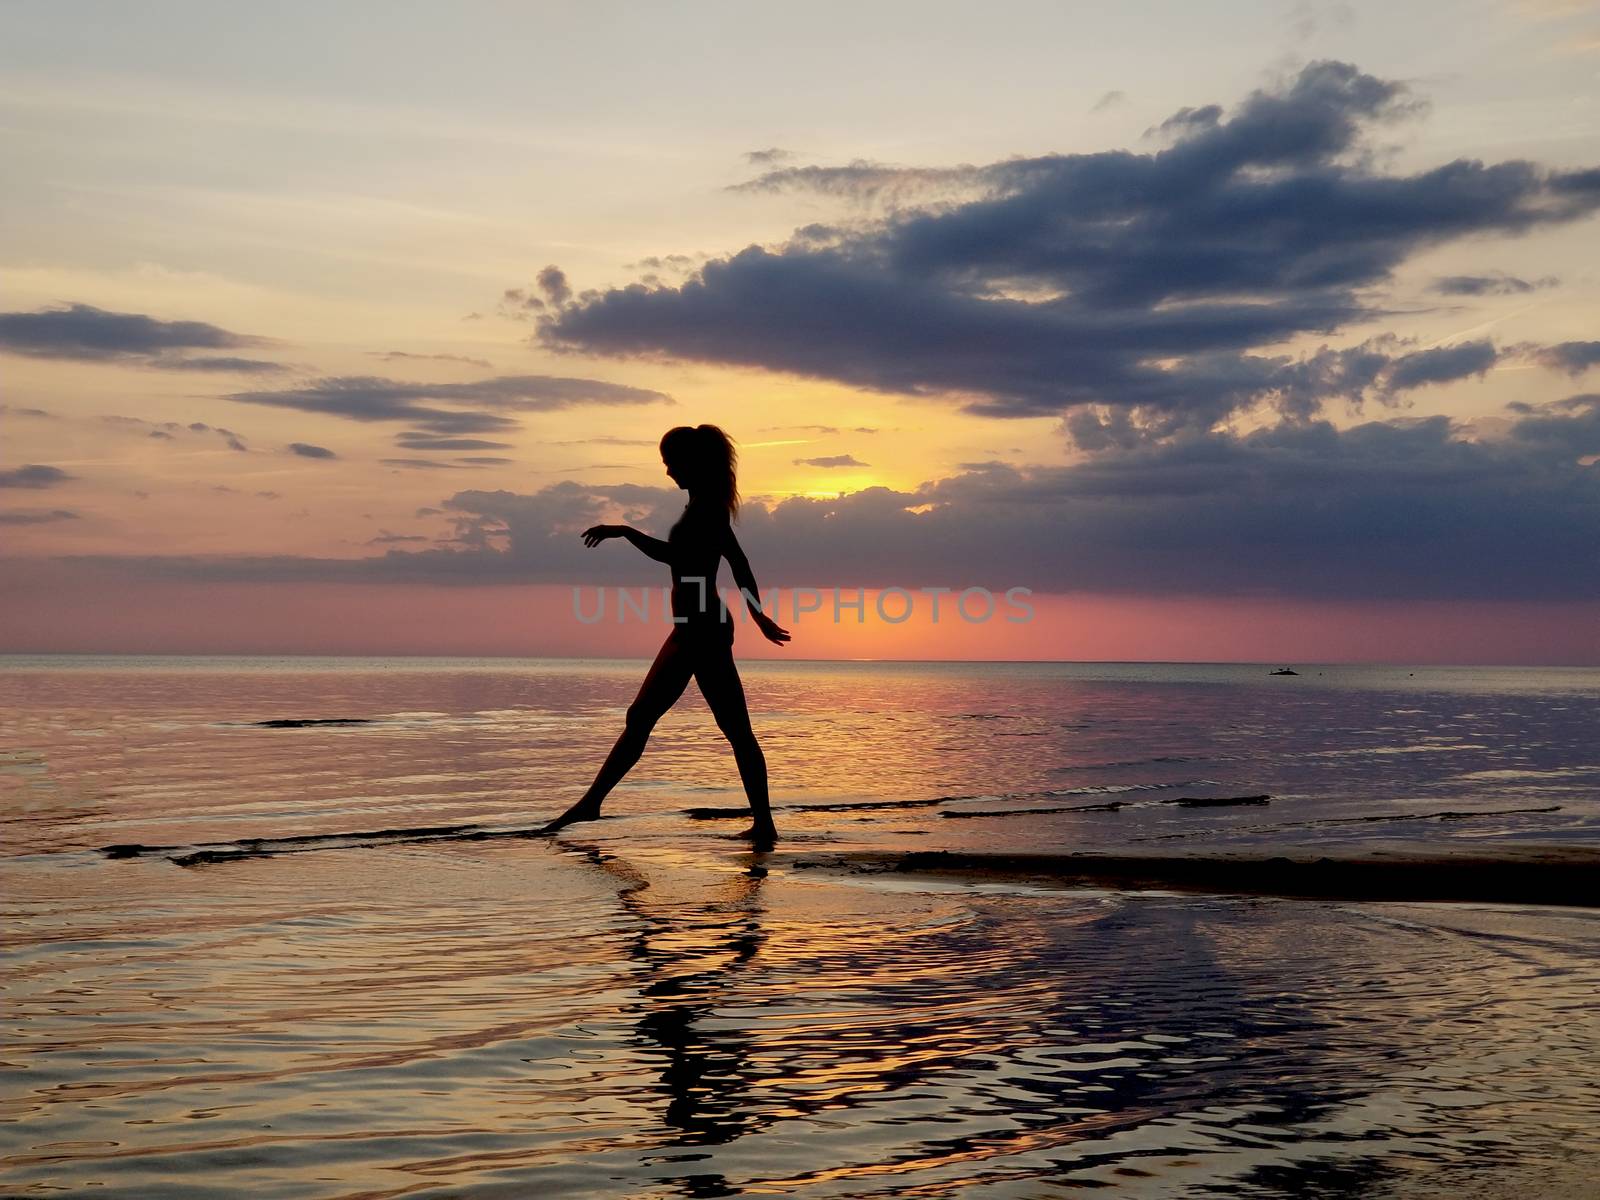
column 770, row 629
column 596, row 534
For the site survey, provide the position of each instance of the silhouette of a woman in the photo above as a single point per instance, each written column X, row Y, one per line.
column 701, row 460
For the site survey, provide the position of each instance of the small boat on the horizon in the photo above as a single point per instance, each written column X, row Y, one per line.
column 1284, row 671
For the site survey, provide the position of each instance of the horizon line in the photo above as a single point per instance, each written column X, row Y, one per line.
column 1138, row 662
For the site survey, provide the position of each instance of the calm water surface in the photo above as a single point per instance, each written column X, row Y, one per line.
column 645, row 1008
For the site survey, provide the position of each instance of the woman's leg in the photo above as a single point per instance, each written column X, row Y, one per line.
column 719, row 683
column 662, row 686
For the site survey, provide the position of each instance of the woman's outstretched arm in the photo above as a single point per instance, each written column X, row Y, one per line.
column 654, row 547
column 745, row 580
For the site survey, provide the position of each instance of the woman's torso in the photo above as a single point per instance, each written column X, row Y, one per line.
column 697, row 541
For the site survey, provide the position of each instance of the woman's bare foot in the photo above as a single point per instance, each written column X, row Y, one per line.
column 762, row 833
column 583, row 810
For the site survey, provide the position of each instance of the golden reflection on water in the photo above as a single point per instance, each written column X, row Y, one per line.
column 613, row 1018
column 645, row 1008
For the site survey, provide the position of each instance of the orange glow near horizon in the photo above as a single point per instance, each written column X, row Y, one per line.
column 49, row 613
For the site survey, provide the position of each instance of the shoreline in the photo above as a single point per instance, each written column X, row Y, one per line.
column 1532, row 874
column 1554, row 877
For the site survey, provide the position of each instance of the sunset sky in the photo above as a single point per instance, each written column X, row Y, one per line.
column 1255, row 331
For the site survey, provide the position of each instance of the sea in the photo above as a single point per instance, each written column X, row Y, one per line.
column 278, row 927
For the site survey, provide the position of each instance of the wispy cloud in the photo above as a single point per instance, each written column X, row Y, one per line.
column 405, row 356
column 831, row 460
column 606, row 440
column 36, row 516
column 449, row 408
column 866, row 182
column 424, row 441
column 385, row 538
column 171, row 430
column 83, row 333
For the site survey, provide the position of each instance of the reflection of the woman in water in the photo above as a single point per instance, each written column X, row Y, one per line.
column 689, row 952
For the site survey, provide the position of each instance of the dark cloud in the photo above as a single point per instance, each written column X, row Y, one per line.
column 420, row 464
column 1564, row 427
column 552, row 282
column 1496, row 284
column 767, row 157
column 1572, row 357
column 475, row 407
column 1156, row 285
column 484, row 460
column 412, row 440
column 35, row 516
column 307, row 450
column 1396, row 509
column 13, row 410
column 1441, row 365
column 404, row 356
column 831, row 460
column 34, row 475
column 1108, row 101
column 84, row 333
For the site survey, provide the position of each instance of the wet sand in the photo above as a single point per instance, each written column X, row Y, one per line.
column 1560, row 876
column 1566, row 876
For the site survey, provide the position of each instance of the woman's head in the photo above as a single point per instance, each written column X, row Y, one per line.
column 701, row 460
